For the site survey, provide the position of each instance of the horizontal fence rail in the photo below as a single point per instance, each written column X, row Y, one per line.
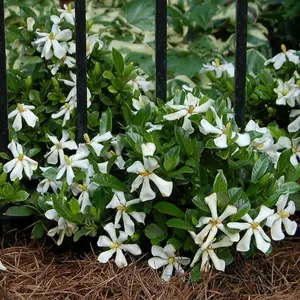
column 161, row 65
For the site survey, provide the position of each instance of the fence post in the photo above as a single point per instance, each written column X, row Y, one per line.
column 161, row 49
column 240, row 61
column 81, row 68
column 3, row 86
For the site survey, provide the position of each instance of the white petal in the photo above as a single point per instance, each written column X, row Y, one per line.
column 244, row 244
column 111, row 230
column 205, row 265
column 10, row 165
column 229, row 211
column 104, row 241
column 203, row 107
column 137, row 167
column 64, row 35
column 210, row 238
column 290, row 209
column 165, row 187
column 134, row 249
column 210, row 128
column 281, row 203
column 17, row 172
column 211, row 201
column 196, row 257
column 221, row 141
column 70, row 175
column 169, row 250
column 2, row 268
column 187, row 125
column 261, row 244
column 146, row 191
column 167, row 272
column 157, row 262
column 51, row 214
column 224, row 242
column 243, row 139
column 290, row 226
column 120, row 259
column 219, row 264
column 106, row 255
column 138, row 216
column 264, row 213
column 128, row 224
column 234, row 237
column 284, row 142
column 276, row 231
column 148, row 149
column 176, row 115
column 59, row 50
column 272, row 219
column 136, row 183
column 30, row 118
column 238, row 225
column 17, row 124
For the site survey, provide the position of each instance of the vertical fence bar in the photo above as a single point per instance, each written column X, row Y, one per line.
column 81, row 68
column 3, row 86
column 161, row 49
column 240, row 61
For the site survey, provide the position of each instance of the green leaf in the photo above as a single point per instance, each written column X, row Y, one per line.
column 176, row 242
column 288, row 188
column 198, row 200
column 110, row 181
column 260, row 168
column 195, row 273
column 142, row 116
column 220, row 183
column 50, row 174
column 243, row 205
column 74, row 206
column 19, row 211
column 118, row 60
column 127, row 114
column 78, row 234
column 184, row 141
column 255, row 61
column 171, row 159
column 155, row 233
column 180, row 224
column 21, row 196
column 169, row 209
column 38, row 230
column 234, row 194
column 5, row 156
column 105, row 122
column 32, row 152
column 93, row 119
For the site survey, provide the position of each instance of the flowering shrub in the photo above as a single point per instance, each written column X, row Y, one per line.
column 180, row 174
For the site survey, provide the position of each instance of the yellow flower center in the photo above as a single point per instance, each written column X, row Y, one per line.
column 68, row 160
column 20, row 107
column 114, row 246
column 294, row 150
column 217, row 61
column 112, row 152
column 260, row 146
column 87, row 138
column 228, row 126
column 69, row 8
column 145, row 173
column 214, row 222
column 82, row 187
column 254, row 225
column 20, row 157
column 191, row 109
column 171, row 260
column 68, row 106
column 62, row 60
column 283, row 48
column 58, row 146
column 283, row 214
column 52, row 36
column 121, row 207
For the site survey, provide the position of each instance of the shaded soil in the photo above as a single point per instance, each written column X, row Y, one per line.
column 34, row 273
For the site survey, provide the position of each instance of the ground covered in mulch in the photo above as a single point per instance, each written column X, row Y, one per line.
column 34, row 273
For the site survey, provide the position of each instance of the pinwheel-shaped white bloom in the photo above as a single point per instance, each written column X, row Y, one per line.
column 119, row 202
column 283, row 92
column 65, row 111
column 44, row 185
column 58, row 149
column 253, row 227
column 67, row 60
column 218, row 68
column 146, row 174
column 294, row 144
column 63, row 228
column 214, row 223
column 30, row 23
column 282, row 216
column 116, row 246
column 190, row 107
column 118, row 146
column 279, row 59
column 166, row 257
column 25, row 112
column 68, row 14
column 209, row 254
column 2, row 267
column 19, row 163
column 142, row 102
column 73, row 93
column 295, row 125
column 77, row 160
column 152, row 127
column 49, row 41
column 95, row 143
column 222, row 131
column 140, row 82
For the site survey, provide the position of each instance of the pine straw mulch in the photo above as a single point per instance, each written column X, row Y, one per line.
column 34, row 273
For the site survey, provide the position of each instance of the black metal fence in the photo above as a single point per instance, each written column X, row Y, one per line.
column 161, row 65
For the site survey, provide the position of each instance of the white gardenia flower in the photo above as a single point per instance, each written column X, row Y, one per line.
column 48, row 41
column 67, row 13
column 222, row 131
column 67, row 60
column 73, row 93
column 214, row 223
column 279, row 59
column 285, row 92
column 142, row 102
column 119, row 202
column 209, row 254
column 63, row 228
column 25, row 112
column 95, row 143
column 78, row 160
column 30, row 23
column 140, row 82
column 2, row 267
column 166, row 257
column 282, row 216
column 152, row 127
column 190, row 107
column 253, row 227
column 65, row 111
column 145, row 171
column 58, row 149
column 295, row 125
column 218, row 68
column 116, row 246
column 83, row 190
column 19, row 163
column 44, row 185
column 294, row 144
